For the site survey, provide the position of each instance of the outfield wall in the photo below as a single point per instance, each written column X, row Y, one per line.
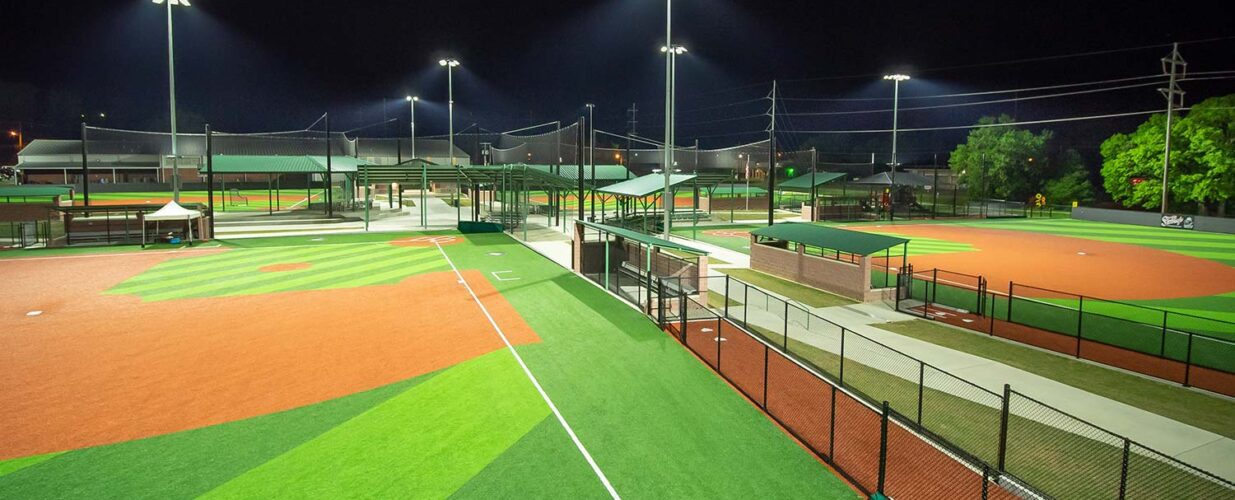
column 1203, row 223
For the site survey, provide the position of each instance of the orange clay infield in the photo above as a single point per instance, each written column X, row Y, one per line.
column 1107, row 270
column 282, row 268
column 94, row 369
column 427, row 241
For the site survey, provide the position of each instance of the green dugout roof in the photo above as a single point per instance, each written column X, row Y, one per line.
column 645, row 239
column 645, row 186
column 854, row 242
column 802, row 183
column 34, row 190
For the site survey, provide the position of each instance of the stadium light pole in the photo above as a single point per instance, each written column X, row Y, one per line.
column 668, row 157
column 450, row 65
column 411, row 104
column 896, row 99
column 591, row 151
column 671, row 53
column 171, row 80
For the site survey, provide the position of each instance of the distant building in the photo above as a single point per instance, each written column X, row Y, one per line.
column 128, row 157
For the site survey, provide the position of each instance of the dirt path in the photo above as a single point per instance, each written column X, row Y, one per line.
column 1108, row 270
column 94, row 369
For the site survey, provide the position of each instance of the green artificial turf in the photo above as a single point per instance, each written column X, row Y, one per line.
column 523, row 470
column 812, row 297
column 237, row 272
column 741, row 245
column 426, row 442
column 1197, row 409
column 184, row 464
column 658, row 421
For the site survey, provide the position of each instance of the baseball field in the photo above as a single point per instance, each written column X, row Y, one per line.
column 406, row 365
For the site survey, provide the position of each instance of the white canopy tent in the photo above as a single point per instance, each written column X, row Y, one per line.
column 172, row 212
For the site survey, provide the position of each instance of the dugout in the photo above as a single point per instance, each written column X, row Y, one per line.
column 636, row 266
column 852, row 264
column 28, row 215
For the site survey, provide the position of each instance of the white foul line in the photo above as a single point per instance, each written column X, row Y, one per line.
column 565, row 425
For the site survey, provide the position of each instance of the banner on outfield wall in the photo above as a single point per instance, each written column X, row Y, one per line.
column 1188, row 222
column 1178, row 221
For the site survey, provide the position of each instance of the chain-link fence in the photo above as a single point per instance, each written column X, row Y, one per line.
column 1187, row 349
column 877, row 448
column 1009, row 439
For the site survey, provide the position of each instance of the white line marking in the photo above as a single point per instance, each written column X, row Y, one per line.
column 499, row 278
column 565, row 425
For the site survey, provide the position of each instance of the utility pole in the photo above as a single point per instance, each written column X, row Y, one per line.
column 1174, row 66
column 772, row 161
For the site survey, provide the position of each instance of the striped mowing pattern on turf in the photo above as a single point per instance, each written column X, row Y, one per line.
column 1213, row 246
column 237, row 272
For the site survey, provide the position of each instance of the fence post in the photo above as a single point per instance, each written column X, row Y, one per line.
column 726, row 296
column 684, row 318
column 986, row 478
column 921, row 384
column 1123, row 471
column 1080, row 316
column 765, row 376
column 1162, row 350
column 832, row 425
column 842, row 356
column 883, row 451
column 660, row 302
column 745, row 303
column 934, row 286
column 1003, row 428
column 992, row 328
column 1188, row 362
column 1009, row 316
column 786, row 346
column 718, row 337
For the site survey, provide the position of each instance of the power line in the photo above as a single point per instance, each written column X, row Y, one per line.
column 984, row 103
column 988, row 125
column 987, row 92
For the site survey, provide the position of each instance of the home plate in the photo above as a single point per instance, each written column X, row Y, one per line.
column 34, row 313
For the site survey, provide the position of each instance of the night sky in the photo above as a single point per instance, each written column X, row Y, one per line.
column 253, row 66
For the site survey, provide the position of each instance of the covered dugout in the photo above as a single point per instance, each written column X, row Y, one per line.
column 636, row 266
column 852, row 264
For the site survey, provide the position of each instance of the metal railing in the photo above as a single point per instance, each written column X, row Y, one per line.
column 1007, row 438
column 1178, row 347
